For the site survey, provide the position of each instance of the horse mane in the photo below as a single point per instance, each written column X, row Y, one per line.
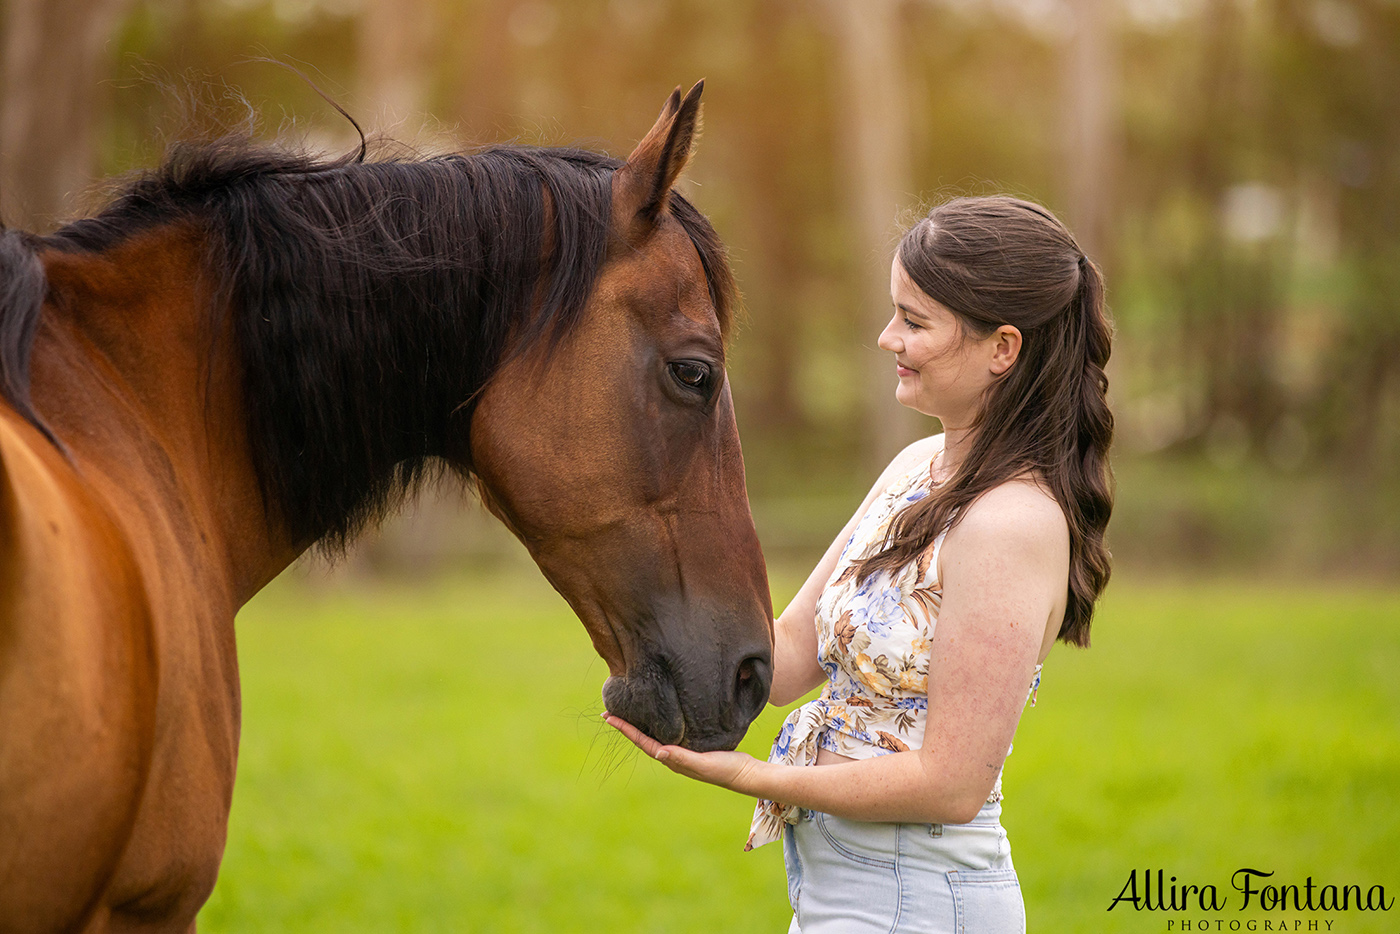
column 372, row 301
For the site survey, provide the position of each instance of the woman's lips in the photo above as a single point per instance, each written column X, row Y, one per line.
column 904, row 370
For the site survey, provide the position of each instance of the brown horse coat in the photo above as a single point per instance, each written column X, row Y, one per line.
column 127, row 547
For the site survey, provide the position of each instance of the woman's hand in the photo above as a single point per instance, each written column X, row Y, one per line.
column 737, row 771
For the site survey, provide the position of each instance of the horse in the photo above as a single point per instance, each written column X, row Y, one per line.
column 250, row 352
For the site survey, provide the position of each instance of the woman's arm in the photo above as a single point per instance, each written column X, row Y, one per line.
column 795, row 668
column 1004, row 570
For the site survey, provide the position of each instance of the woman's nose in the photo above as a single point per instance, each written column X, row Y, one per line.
column 889, row 340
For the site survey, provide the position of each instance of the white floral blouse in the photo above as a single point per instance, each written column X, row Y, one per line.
column 874, row 641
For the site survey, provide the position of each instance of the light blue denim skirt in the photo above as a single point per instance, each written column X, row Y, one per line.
column 857, row 877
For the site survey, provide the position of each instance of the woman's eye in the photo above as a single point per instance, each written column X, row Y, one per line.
column 913, row 325
column 690, row 374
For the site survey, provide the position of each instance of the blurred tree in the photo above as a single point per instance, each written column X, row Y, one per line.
column 55, row 54
column 780, row 169
column 395, row 60
column 874, row 125
column 1337, row 110
column 479, row 66
column 771, row 145
column 1091, row 120
column 1278, row 121
column 1212, row 211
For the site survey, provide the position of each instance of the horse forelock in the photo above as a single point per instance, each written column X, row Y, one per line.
column 372, row 301
column 714, row 258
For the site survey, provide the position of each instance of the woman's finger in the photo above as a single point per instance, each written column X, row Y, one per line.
column 725, row 769
column 675, row 758
column 642, row 741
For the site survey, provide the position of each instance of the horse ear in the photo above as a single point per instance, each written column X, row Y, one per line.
column 641, row 187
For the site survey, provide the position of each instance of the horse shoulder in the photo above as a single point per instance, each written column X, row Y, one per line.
column 117, row 374
column 77, row 688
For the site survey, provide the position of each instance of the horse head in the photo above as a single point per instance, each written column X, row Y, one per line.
column 615, row 458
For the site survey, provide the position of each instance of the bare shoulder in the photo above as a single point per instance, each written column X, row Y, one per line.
column 1019, row 517
column 919, row 452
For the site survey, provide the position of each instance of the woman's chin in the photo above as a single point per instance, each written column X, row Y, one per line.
column 910, row 400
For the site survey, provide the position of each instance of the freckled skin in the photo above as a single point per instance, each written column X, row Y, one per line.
column 949, row 370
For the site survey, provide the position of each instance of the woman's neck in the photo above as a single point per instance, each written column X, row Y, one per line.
column 957, row 443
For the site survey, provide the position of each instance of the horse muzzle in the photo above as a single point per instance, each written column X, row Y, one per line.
column 680, row 701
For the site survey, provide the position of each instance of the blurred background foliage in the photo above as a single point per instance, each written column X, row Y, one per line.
column 1234, row 165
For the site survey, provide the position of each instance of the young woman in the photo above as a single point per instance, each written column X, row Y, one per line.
column 931, row 613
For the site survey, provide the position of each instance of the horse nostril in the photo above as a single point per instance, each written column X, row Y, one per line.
column 751, row 686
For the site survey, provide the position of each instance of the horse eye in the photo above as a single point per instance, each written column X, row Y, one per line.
column 690, row 374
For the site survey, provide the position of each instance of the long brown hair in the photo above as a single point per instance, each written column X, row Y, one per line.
column 994, row 261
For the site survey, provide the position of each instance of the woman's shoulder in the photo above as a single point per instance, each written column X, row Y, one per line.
column 905, row 462
column 922, row 450
column 915, row 455
column 1020, row 514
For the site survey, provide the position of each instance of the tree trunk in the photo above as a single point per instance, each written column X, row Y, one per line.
column 773, row 282
column 875, row 127
column 1091, row 126
column 56, row 53
column 486, row 92
column 394, row 61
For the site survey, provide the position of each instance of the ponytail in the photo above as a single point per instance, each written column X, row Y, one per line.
column 1091, row 482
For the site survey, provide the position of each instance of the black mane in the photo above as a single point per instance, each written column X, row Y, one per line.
column 372, row 301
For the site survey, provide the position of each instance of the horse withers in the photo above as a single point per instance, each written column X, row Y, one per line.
column 250, row 352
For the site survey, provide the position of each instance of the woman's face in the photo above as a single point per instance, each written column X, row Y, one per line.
column 942, row 371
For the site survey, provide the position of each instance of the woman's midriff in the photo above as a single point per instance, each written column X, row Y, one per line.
column 827, row 757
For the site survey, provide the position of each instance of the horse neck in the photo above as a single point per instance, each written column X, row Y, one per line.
column 130, row 374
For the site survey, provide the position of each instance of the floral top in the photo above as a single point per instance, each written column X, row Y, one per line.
column 874, row 641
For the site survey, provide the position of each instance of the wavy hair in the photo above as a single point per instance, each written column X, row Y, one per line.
column 994, row 261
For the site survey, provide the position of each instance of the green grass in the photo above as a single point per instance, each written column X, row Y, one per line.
column 428, row 758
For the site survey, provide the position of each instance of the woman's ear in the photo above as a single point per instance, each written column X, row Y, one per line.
column 1006, row 347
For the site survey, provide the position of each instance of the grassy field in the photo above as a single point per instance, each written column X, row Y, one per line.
column 428, row 758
